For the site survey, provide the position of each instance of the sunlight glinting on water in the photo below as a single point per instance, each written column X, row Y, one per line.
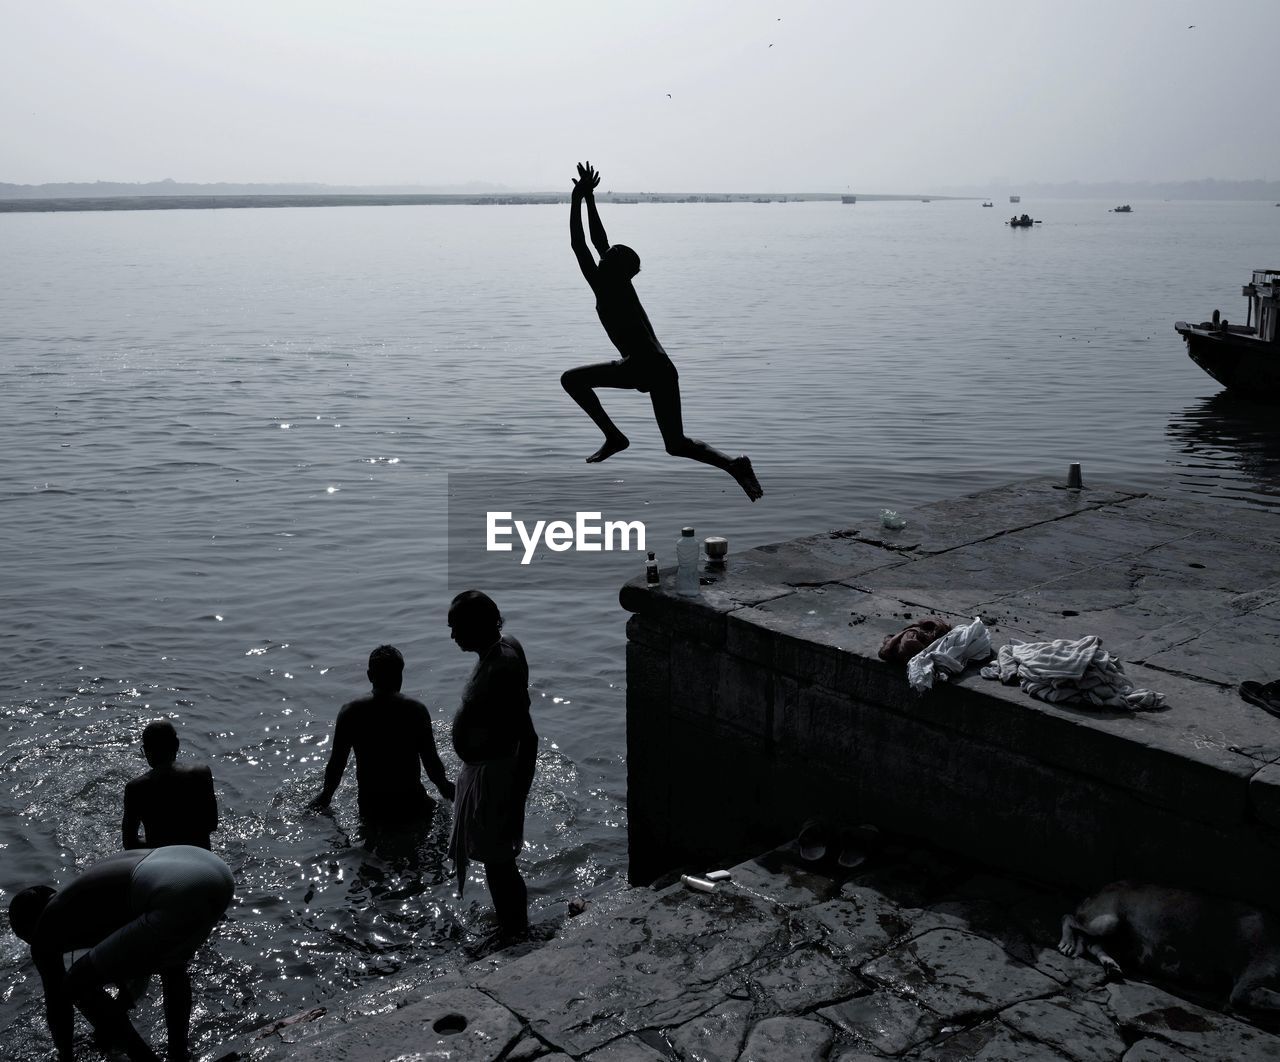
column 229, row 475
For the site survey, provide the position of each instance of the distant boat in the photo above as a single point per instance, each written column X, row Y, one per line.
column 924, row 200
column 989, row 204
column 1245, row 357
column 1126, row 209
column 1023, row 222
column 848, row 199
column 1015, row 199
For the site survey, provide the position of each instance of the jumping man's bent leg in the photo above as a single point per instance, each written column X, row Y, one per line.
column 666, row 409
column 579, row 383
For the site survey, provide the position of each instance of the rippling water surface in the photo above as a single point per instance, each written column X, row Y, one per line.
column 228, row 437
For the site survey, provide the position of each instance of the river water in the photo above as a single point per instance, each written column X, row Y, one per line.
column 232, row 440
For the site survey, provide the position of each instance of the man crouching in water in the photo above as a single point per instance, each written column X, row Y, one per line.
column 134, row 914
column 644, row 365
column 494, row 737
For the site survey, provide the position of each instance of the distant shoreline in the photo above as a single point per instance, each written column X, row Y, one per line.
column 239, row 202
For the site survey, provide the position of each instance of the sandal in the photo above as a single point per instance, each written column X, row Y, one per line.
column 1266, row 695
column 855, row 843
column 813, row 839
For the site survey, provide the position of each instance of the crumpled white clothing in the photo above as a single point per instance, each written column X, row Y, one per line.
column 1067, row 672
column 950, row 654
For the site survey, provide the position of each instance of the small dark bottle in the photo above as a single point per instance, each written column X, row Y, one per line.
column 651, row 570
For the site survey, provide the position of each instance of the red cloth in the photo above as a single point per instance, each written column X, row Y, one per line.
column 901, row 647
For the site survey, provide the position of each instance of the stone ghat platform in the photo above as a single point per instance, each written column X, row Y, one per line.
column 912, row 956
column 762, row 701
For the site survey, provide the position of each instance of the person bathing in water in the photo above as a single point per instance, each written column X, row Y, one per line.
column 644, row 365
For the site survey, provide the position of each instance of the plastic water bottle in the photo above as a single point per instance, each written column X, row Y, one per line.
column 651, row 576
column 687, row 557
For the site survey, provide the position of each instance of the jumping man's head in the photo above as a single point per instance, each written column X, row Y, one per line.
column 160, row 743
column 386, row 669
column 26, row 908
column 474, row 621
column 619, row 262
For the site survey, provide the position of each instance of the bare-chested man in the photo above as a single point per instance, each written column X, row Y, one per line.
column 391, row 737
column 644, row 365
column 494, row 737
column 173, row 803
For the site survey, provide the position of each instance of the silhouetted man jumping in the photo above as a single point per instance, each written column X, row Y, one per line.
column 644, row 365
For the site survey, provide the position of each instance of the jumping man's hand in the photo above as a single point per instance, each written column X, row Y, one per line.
column 587, row 180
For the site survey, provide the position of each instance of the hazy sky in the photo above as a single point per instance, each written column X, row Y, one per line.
column 794, row 95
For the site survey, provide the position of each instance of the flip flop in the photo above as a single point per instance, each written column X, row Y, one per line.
column 1266, row 695
column 813, row 839
column 855, row 843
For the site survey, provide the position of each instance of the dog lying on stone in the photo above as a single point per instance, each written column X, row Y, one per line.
column 1184, row 936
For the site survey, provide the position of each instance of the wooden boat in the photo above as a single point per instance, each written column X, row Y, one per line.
column 1023, row 222
column 1126, row 209
column 1243, row 358
column 988, row 204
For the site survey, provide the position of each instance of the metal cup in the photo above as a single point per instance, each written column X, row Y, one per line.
column 717, row 549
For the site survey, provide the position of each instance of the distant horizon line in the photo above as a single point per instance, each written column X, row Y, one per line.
column 1206, row 187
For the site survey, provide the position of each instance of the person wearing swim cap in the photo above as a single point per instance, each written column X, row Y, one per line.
column 172, row 803
column 134, row 914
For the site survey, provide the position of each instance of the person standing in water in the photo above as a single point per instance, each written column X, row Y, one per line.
column 494, row 737
column 644, row 366
column 391, row 737
column 172, row 803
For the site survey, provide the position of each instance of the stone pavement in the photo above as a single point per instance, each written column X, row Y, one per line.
column 913, row 956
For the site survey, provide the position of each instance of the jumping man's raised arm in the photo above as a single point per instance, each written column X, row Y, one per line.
column 598, row 238
column 582, row 189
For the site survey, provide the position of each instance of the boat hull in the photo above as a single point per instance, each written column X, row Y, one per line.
column 1238, row 360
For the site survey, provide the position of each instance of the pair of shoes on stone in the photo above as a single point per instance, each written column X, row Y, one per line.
column 1266, row 695
column 850, row 843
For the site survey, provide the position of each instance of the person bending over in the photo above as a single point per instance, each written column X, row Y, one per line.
column 173, row 804
column 391, row 736
column 494, row 737
column 644, row 365
column 134, row 913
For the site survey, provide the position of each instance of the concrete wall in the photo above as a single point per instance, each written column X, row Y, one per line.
column 762, row 703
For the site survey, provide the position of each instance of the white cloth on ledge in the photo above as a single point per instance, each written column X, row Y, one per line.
column 1070, row 672
column 950, row 654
